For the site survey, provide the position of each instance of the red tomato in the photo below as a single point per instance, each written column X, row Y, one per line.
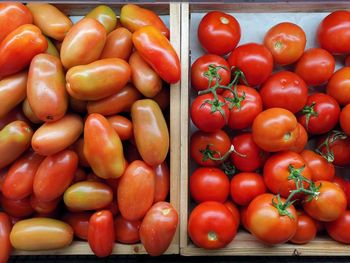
column 17, row 208
column 211, row 225
column 286, row 42
column 79, row 222
column 315, row 66
column 286, row 90
column 43, row 207
column 340, row 181
column 254, row 60
column 306, row 230
column 333, row 33
column 339, row 229
column 233, row 209
column 126, row 231
column 162, row 185
column 219, row 33
column 339, row 87
column 5, row 244
column 301, row 141
column 345, row 119
column 122, row 125
column 243, row 217
column 209, row 184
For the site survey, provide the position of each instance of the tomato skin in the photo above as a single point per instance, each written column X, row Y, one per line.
column 233, row 209
column 43, row 207
column 340, row 182
column 16, row 114
column 340, row 149
column 105, row 15
column 243, row 217
column 306, row 230
column 79, row 222
column 284, row 126
column 118, row 44
column 209, row 184
column 29, row 114
column 158, row 228
column 344, row 119
column 301, row 141
column 5, row 245
column 211, row 225
column 78, row 147
column 246, row 186
column 162, row 185
column 126, row 231
column 286, row 42
column 122, row 126
column 339, row 229
column 333, row 33
column 338, row 86
column 157, row 51
column 17, row 208
column 254, row 60
column 284, row 89
column 219, row 33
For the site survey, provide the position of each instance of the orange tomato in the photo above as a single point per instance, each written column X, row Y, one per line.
column 118, row 44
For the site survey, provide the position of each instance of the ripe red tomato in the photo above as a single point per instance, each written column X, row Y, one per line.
column 301, row 141
column 199, row 78
column 286, row 90
column 234, row 210
column 340, row 181
column 244, row 106
column 339, row 87
column 17, row 208
column 345, row 119
column 211, row 225
column 243, row 217
column 79, row 222
column 162, row 185
column 126, row 231
column 339, row 229
column 246, row 186
column 5, row 245
column 315, row 66
column 254, row 60
column 219, row 33
column 333, row 33
column 286, row 42
column 209, row 184
column 306, row 230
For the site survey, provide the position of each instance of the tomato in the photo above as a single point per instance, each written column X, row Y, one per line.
column 51, row 48
column 103, row 148
column 79, row 222
column 211, row 225
column 134, row 17
column 157, row 51
column 150, row 131
column 209, row 184
column 126, row 232
column 105, row 15
column 286, row 42
column 267, row 224
column 145, row 79
column 118, row 44
column 13, row 15
column 18, row 183
column 83, row 43
column 119, row 102
column 340, row 182
column 29, row 114
column 330, row 203
column 199, row 69
column 284, row 89
column 3, row 173
column 17, row 208
column 333, row 33
column 12, row 91
column 243, row 217
column 163, row 98
column 233, row 209
column 88, row 196
column 55, row 175
column 219, row 33
column 344, row 119
column 205, row 147
column 44, row 207
column 22, row 43
column 101, row 233
column 136, row 190
column 339, row 229
column 14, row 140
column 16, row 114
column 315, row 66
column 46, row 90
column 41, row 234
column 246, row 186
column 162, row 186
column 301, row 141
column 306, row 230
column 254, row 60
column 53, row 137
column 5, row 245
column 320, row 168
column 208, row 114
column 275, row 129
column 320, row 114
column 338, row 86
column 245, row 104
column 122, row 126
column 78, row 147
column 51, row 21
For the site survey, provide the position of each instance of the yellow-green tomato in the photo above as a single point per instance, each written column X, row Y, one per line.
column 105, row 15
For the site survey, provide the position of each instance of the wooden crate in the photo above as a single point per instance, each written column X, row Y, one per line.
column 77, row 8
column 244, row 243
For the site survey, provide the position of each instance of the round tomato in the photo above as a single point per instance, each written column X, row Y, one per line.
column 243, row 217
column 340, row 181
column 286, row 42
column 301, row 141
column 339, row 87
column 234, row 210
column 209, row 184
column 345, row 119
column 286, row 90
column 219, row 33
column 306, row 230
column 315, row 66
column 211, row 225
column 339, row 229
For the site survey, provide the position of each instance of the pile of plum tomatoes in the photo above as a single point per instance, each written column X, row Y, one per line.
column 272, row 146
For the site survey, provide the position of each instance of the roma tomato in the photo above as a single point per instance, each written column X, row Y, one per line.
column 29, row 114
column 254, row 60
column 338, row 86
column 51, row 48
column 211, row 225
column 286, row 42
column 79, row 223
column 245, row 104
column 162, row 186
column 101, row 233
column 275, row 129
column 122, row 126
column 345, row 119
column 17, row 208
column 301, row 141
column 150, row 131
column 22, row 43
column 209, row 114
column 339, row 229
column 16, row 114
column 315, row 66
column 103, row 148
column 306, row 230
column 286, row 90
column 158, row 228
column 78, row 147
column 43, row 207
column 219, row 33
column 209, row 184
column 118, row 44
column 5, row 244
column 105, row 15
column 157, row 51
column 136, row 190
column 126, row 231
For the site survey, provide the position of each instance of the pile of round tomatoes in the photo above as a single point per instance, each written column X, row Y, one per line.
column 271, row 147
column 83, row 137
